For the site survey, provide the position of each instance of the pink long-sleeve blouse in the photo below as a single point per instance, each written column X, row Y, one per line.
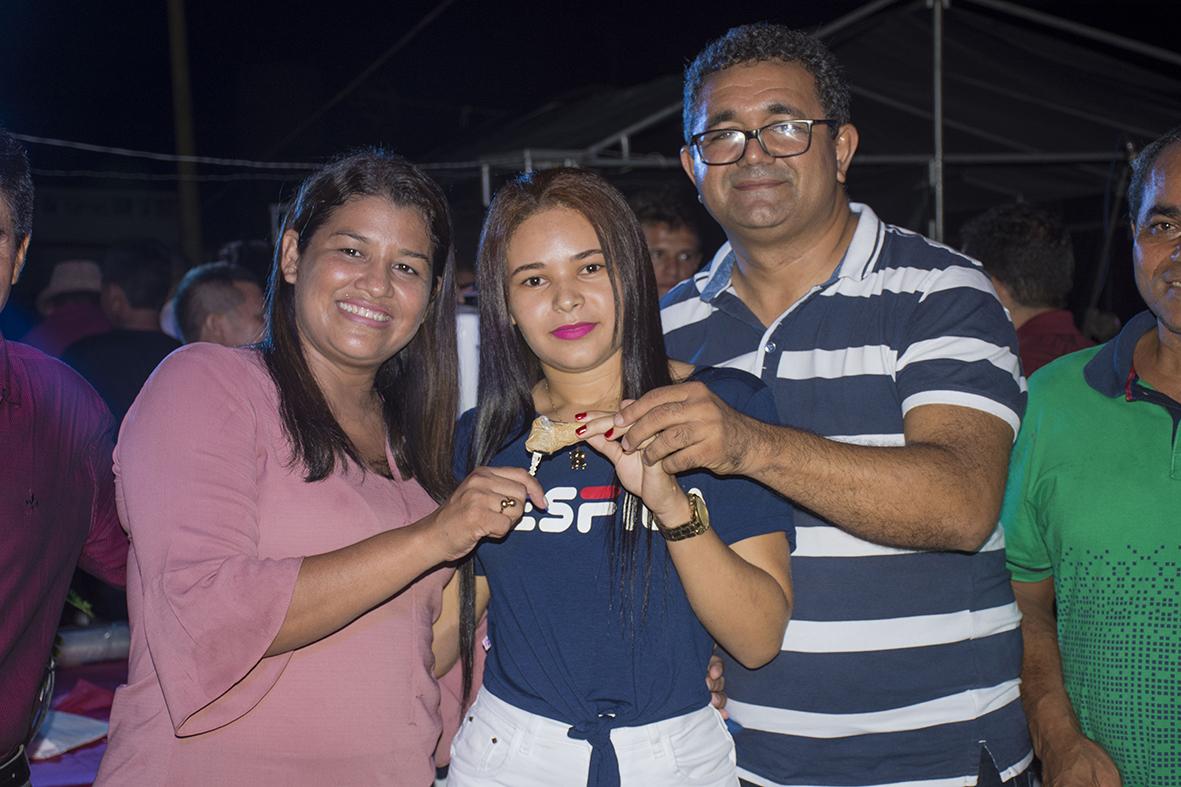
column 219, row 521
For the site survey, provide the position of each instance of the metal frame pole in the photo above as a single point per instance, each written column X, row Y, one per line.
column 189, row 209
column 936, row 174
column 854, row 16
column 1083, row 31
column 1113, row 218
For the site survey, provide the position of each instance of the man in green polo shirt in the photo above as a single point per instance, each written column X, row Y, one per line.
column 1092, row 519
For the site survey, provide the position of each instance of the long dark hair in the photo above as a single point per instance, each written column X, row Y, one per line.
column 509, row 369
column 417, row 386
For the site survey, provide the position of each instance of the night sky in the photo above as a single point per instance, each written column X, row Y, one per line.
column 261, row 73
column 99, row 71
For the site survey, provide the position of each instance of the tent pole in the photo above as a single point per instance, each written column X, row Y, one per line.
column 936, row 174
column 1084, row 31
column 1117, row 202
column 854, row 16
column 640, row 125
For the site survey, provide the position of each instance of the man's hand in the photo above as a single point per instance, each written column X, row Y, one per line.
column 716, row 682
column 1082, row 764
column 689, row 429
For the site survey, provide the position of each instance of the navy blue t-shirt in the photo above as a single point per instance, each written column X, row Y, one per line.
column 562, row 647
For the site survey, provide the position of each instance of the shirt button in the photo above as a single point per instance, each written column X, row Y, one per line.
column 770, row 347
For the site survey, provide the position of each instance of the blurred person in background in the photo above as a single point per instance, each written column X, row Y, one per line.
column 219, row 302
column 670, row 229
column 69, row 306
column 136, row 279
column 57, row 492
column 252, row 254
column 1027, row 253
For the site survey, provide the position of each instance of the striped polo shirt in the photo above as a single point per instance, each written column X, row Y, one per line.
column 898, row 665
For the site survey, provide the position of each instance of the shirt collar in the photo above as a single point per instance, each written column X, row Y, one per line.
column 9, row 391
column 1108, row 371
column 855, row 264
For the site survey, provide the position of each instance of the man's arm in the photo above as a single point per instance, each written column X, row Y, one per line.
column 941, row 490
column 104, row 554
column 1068, row 757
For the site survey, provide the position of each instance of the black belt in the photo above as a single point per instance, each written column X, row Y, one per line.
column 14, row 770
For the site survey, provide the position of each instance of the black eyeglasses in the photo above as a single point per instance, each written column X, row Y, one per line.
column 781, row 139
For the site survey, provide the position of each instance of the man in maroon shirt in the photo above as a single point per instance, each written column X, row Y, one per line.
column 1028, row 254
column 57, row 490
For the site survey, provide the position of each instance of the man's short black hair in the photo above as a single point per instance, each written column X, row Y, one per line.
column 665, row 205
column 208, row 289
column 16, row 184
column 1142, row 167
column 142, row 269
column 1025, row 248
column 766, row 42
column 254, row 255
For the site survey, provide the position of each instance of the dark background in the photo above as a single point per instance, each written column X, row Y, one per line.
column 262, row 73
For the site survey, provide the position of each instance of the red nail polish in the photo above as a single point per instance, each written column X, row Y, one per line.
column 609, row 432
column 580, row 431
column 579, row 416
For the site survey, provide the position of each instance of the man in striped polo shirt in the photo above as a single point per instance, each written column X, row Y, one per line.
column 896, row 376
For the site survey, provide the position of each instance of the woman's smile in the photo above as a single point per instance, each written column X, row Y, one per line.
column 364, row 312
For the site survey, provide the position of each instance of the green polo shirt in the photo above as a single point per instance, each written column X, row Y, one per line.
column 1094, row 501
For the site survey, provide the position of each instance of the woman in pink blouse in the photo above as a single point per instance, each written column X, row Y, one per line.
column 290, row 506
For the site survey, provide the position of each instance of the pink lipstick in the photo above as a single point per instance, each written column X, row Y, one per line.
column 573, row 331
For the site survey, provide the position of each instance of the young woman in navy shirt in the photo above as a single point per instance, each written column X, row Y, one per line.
column 605, row 605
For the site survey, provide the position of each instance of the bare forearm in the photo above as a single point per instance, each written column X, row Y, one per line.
column 742, row 606
column 1068, row 756
column 337, row 587
column 1052, row 722
column 916, row 496
column 940, row 489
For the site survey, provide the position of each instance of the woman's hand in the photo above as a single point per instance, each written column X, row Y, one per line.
column 715, row 681
column 661, row 493
column 487, row 504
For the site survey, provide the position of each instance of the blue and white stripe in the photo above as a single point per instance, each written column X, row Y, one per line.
column 898, row 664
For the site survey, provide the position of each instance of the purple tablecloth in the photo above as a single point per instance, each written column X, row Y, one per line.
column 79, row 766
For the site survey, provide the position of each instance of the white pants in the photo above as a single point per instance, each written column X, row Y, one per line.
column 500, row 745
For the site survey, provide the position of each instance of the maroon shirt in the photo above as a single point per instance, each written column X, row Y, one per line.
column 1046, row 337
column 68, row 323
column 57, row 510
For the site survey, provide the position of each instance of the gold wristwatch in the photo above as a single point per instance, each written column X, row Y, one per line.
column 698, row 521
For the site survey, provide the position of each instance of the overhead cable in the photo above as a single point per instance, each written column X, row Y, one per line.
column 169, row 157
